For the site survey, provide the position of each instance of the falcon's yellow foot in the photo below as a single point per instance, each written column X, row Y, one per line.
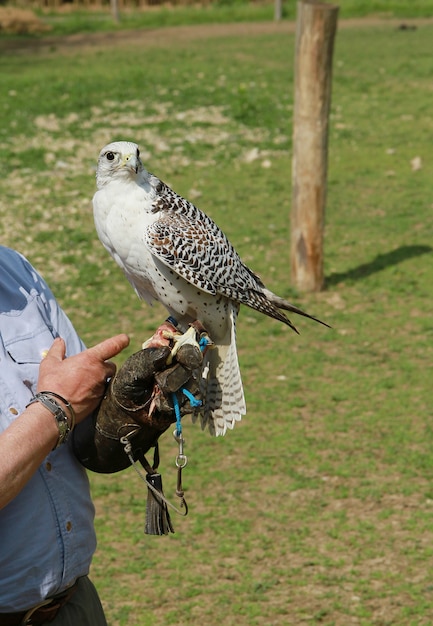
column 190, row 337
column 168, row 335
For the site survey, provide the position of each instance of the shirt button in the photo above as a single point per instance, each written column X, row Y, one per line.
column 69, row 526
column 13, row 410
column 48, row 466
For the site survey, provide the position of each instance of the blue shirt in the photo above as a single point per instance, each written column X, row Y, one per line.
column 47, row 537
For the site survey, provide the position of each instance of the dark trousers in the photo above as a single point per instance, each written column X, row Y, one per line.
column 83, row 609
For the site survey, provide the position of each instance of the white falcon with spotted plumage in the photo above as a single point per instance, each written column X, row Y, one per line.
column 172, row 252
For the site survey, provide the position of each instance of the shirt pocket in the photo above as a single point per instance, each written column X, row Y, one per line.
column 27, row 336
column 30, row 349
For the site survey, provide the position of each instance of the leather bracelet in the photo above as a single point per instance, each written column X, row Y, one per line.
column 65, row 426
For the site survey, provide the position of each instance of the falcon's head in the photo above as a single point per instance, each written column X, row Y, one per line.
column 119, row 160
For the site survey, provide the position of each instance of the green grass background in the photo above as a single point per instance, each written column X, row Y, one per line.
column 318, row 507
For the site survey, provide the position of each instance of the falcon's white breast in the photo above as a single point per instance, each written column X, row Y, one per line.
column 172, row 252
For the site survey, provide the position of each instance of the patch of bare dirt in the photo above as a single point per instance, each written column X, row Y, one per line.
column 167, row 35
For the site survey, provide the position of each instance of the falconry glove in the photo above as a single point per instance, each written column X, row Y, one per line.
column 138, row 405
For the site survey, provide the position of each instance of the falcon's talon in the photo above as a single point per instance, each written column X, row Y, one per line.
column 162, row 337
column 167, row 334
column 180, row 340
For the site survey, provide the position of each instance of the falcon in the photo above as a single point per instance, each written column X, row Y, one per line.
column 172, row 252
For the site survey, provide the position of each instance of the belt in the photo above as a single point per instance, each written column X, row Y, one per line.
column 41, row 613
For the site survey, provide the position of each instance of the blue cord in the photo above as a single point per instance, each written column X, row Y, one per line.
column 192, row 399
column 178, row 415
column 194, row 403
column 204, row 341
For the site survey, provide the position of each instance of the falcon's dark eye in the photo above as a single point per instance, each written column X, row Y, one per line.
column 110, row 156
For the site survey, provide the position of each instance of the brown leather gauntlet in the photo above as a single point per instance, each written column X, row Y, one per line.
column 138, row 404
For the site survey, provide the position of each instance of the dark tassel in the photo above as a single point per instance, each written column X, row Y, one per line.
column 158, row 520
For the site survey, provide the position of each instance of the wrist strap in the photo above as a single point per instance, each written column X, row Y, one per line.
column 49, row 400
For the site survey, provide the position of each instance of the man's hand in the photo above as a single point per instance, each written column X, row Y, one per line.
column 80, row 379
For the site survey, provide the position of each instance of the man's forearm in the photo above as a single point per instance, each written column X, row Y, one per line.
column 23, row 447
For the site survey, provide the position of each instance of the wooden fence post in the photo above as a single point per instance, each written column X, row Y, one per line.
column 315, row 32
column 115, row 10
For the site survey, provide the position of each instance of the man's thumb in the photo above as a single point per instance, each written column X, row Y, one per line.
column 57, row 350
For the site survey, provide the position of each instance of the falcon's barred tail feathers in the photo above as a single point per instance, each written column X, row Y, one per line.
column 275, row 302
column 174, row 253
column 221, row 384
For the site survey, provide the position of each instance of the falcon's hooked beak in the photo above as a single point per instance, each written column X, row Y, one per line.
column 131, row 161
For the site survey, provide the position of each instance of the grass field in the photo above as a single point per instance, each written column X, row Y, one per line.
column 318, row 507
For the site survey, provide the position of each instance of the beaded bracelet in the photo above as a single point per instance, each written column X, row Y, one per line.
column 49, row 400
